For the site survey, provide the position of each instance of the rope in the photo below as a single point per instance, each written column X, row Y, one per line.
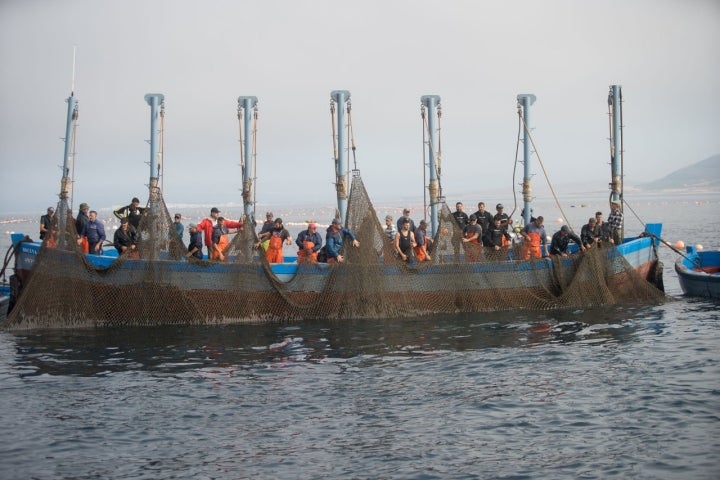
column 663, row 241
column 162, row 147
column 517, row 152
column 547, row 179
column 334, row 136
column 76, row 114
column 352, row 136
column 254, row 154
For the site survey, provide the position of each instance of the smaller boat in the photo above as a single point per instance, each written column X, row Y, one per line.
column 699, row 273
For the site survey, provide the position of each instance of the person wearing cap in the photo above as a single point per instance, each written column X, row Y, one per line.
column 179, row 227
column 390, row 229
column 277, row 236
column 334, row 237
column 561, row 240
column 46, row 223
column 126, row 238
column 405, row 215
column 589, row 234
column 82, row 219
column 484, row 218
column 422, row 242
column 94, row 233
column 505, row 221
column 207, row 225
column 309, row 243
column 534, row 238
column 472, row 240
column 196, row 243
column 133, row 212
column 615, row 222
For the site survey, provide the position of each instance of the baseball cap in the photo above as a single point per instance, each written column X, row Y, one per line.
column 214, row 210
column 499, row 205
column 565, row 229
column 336, row 221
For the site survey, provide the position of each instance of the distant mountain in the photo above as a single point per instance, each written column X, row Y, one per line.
column 704, row 175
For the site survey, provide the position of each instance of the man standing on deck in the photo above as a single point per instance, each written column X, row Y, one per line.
column 80, row 222
column 484, row 218
column 208, row 224
column 196, row 243
column 94, row 231
column 46, row 223
column 334, row 240
column 615, row 221
column 533, row 238
column 132, row 212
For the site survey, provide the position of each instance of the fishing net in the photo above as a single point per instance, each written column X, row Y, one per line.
column 158, row 285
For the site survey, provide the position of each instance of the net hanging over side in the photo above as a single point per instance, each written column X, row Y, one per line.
column 159, row 286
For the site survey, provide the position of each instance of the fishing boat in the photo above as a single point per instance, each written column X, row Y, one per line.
column 699, row 272
column 55, row 284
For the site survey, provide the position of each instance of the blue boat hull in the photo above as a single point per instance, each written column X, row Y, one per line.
column 699, row 273
column 215, row 292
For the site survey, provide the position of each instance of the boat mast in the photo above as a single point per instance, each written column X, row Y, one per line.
column 524, row 101
column 68, row 160
column 247, row 109
column 616, row 153
column 341, row 98
column 155, row 100
column 432, row 103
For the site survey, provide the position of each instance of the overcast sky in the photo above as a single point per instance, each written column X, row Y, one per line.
column 476, row 55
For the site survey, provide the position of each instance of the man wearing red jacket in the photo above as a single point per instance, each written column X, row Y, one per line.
column 207, row 224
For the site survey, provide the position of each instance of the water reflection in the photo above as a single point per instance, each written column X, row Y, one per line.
column 183, row 348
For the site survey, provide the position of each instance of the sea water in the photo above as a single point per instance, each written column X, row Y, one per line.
column 629, row 391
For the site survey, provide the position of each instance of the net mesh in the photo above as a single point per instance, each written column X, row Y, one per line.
column 159, row 286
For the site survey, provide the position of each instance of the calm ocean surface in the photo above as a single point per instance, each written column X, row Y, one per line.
column 628, row 391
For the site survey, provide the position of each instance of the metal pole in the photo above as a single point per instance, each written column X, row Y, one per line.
column 247, row 104
column 341, row 97
column 432, row 102
column 525, row 100
column 154, row 100
column 616, row 152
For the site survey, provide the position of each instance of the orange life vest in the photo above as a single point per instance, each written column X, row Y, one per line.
column 304, row 256
column 221, row 245
column 274, row 251
column 531, row 246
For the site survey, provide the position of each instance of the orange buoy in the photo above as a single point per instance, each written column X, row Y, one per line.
column 679, row 244
column 698, row 247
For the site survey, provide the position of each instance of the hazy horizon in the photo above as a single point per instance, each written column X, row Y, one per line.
column 476, row 55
